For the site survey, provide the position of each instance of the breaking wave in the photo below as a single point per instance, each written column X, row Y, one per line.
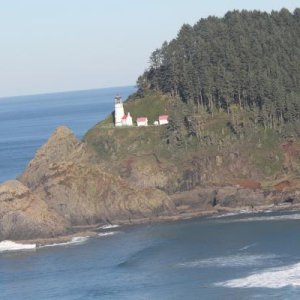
column 78, row 240
column 229, row 214
column 247, row 247
column 75, row 240
column 239, row 260
column 272, row 218
column 109, row 226
column 262, row 218
column 275, row 278
column 6, row 246
column 108, row 233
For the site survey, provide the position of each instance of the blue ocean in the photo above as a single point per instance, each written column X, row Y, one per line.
column 244, row 256
column 26, row 122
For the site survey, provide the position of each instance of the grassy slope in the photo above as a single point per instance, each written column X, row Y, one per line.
column 151, row 106
column 250, row 152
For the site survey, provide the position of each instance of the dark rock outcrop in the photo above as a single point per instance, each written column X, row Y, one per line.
column 230, row 197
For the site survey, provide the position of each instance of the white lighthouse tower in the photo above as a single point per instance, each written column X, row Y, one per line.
column 119, row 111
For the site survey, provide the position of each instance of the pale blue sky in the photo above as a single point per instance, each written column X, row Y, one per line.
column 59, row 45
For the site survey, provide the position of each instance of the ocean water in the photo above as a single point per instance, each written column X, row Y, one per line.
column 237, row 257
column 26, row 122
column 246, row 256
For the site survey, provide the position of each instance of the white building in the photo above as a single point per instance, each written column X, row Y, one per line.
column 127, row 120
column 163, row 119
column 121, row 119
column 142, row 121
column 119, row 111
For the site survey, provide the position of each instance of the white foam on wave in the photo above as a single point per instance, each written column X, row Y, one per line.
column 6, row 246
column 274, row 278
column 75, row 240
column 229, row 214
column 262, row 218
column 247, row 247
column 271, row 218
column 239, row 260
column 109, row 226
column 108, row 233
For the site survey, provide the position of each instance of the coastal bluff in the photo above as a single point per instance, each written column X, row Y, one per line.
column 230, row 141
column 66, row 185
column 64, row 176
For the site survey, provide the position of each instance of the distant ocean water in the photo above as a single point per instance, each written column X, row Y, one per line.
column 26, row 122
column 247, row 256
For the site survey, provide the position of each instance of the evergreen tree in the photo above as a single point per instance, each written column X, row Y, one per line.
column 249, row 59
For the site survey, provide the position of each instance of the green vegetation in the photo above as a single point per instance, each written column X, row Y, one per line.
column 245, row 60
column 177, row 143
column 151, row 106
column 118, row 141
column 231, row 87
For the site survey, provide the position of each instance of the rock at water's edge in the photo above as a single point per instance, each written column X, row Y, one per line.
column 23, row 215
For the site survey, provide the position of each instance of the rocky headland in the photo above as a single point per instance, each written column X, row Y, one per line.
column 232, row 141
column 67, row 188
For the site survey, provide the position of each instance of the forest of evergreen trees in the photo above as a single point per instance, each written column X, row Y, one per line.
column 249, row 60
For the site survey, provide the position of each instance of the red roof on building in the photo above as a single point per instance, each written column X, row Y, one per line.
column 141, row 119
column 163, row 117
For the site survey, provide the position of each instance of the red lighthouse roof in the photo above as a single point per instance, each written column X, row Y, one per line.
column 163, row 117
column 141, row 119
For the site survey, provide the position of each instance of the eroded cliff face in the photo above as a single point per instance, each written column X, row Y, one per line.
column 61, row 146
column 84, row 194
column 68, row 183
column 144, row 158
column 225, row 174
column 63, row 175
column 24, row 215
column 184, row 173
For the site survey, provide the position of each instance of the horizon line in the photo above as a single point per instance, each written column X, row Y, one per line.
column 65, row 91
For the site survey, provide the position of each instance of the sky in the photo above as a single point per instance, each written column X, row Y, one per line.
column 63, row 45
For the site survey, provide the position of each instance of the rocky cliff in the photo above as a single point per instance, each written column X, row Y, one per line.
column 23, row 215
column 71, row 183
column 62, row 174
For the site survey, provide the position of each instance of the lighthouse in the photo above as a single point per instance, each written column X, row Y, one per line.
column 119, row 111
column 121, row 119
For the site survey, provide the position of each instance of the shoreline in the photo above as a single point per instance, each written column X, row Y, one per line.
column 93, row 230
